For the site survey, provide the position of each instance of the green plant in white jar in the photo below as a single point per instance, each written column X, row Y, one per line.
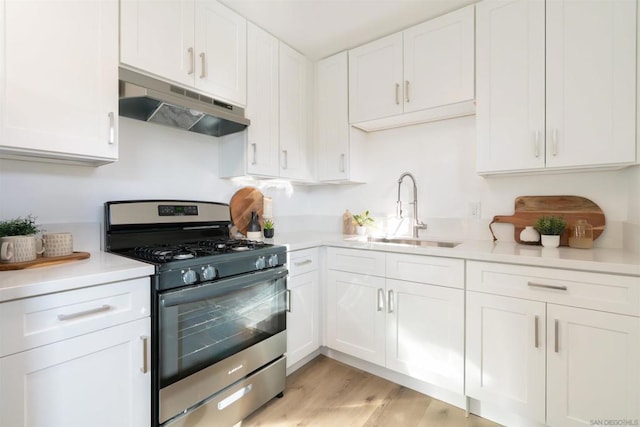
column 361, row 221
column 550, row 229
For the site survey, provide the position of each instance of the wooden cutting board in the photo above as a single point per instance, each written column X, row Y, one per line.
column 571, row 208
column 243, row 202
column 44, row 261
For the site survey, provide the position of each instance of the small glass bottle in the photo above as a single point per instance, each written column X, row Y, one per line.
column 254, row 232
column 347, row 223
column 581, row 235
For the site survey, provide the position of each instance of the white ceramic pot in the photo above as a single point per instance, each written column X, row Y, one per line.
column 361, row 230
column 550, row 241
column 529, row 235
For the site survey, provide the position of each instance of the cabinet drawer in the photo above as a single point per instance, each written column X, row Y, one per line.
column 41, row 320
column 303, row 261
column 356, row 261
column 426, row 269
column 605, row 292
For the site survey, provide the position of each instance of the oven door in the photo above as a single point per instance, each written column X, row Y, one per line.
column 214, row 334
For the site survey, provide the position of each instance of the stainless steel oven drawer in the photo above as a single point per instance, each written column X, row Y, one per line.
column 234, row 403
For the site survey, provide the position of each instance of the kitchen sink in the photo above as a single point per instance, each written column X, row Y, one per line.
column 413, row 242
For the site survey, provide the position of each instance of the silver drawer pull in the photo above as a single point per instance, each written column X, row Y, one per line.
column 536, row 332
column 540, row 285
column 556, row 331
column 104, row 307
column 145, row 356
column 299, row 263
column 288, row 301
column 390, row 301
column 380, row 299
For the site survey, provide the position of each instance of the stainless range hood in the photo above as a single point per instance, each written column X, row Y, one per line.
column 151, row 100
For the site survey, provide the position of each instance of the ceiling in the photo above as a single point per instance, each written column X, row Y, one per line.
column 320, row 28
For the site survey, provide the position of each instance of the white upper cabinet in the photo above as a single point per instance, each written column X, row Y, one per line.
column 421, row 74
column 277, row 143
column 337, row 144
column 201, row 44
column 59, row 80
column 584, row 115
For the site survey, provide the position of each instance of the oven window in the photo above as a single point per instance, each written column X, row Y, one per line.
column 200, row 332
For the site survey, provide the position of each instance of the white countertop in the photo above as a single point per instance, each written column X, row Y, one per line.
column 99, row 268
column 602, row 260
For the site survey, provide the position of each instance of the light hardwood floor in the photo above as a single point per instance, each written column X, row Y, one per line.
column 328, row 393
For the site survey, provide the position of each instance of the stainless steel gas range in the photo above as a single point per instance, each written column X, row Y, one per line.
column 218, row 310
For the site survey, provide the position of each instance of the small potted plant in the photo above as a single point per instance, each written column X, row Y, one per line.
column 361, row 220
column 267, row 227
column 550, row 229
column 19, row 226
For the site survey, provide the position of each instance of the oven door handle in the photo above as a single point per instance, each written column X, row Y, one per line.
column 220, row 287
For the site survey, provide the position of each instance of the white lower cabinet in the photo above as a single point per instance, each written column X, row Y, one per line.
column 535, row 355
column 97, row 375
column 303, row 316
column 414, row 326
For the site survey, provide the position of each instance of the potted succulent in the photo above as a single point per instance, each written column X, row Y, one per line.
column 267, row 227
column 550, row 229
column 19, row 226
column 361, row 220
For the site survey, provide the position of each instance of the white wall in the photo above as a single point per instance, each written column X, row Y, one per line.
column 160, row 162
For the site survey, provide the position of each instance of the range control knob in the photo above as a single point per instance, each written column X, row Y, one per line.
column 273, row 260
column 208, row 273
column 260, row 263
column 189, row 276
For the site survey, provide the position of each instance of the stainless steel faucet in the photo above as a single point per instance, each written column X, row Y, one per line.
column 417, row 224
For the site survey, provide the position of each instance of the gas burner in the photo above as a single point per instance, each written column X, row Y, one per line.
column 163, row 253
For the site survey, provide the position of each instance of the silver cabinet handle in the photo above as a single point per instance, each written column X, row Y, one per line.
column 390, row 301
column 255, row 152
column 104, row 307
column 112, row 127
column 397, row 93
column 342, row 164
column 288, row 295
column 541, row 285
column 554, row 140
column 299, row 263
column 406, row 90
column 192, row 61
column 203, row 63
column 380, row 299
column 556, row 328
column 536, row 144
column 145, row 354
column 285, row 159
column 536, row 332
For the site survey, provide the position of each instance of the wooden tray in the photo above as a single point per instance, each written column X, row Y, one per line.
column 243, row 202
column 43, row 262
column 571, row 208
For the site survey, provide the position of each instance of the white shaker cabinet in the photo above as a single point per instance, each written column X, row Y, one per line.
column 277, row 143
column 404, row 312
column 555, row 346
column 339, row 147
column 555, row 85
column 422, row 74
column 200, row 44
column 59, row 80
column 303, row 315
column 77, row 358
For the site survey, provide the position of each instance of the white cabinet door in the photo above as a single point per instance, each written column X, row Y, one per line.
column 439, row 61
column 425, row 333
column 356, row 315
column 593, row 370
column 99, row 379
column 375, row 79
column 303, row 318
column 221, row 52
column 294, row 109
column 591, row 81
column 510, row 111
column 505, row 353
column 332, row 116
column 262, row 103
column 158, row 37
column 59, row 80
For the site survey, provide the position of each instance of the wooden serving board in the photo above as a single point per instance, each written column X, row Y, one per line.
column 44, row 261
column 243, row 202
column 572, row 208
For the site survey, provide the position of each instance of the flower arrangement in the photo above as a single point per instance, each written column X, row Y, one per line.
column 362, row 219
